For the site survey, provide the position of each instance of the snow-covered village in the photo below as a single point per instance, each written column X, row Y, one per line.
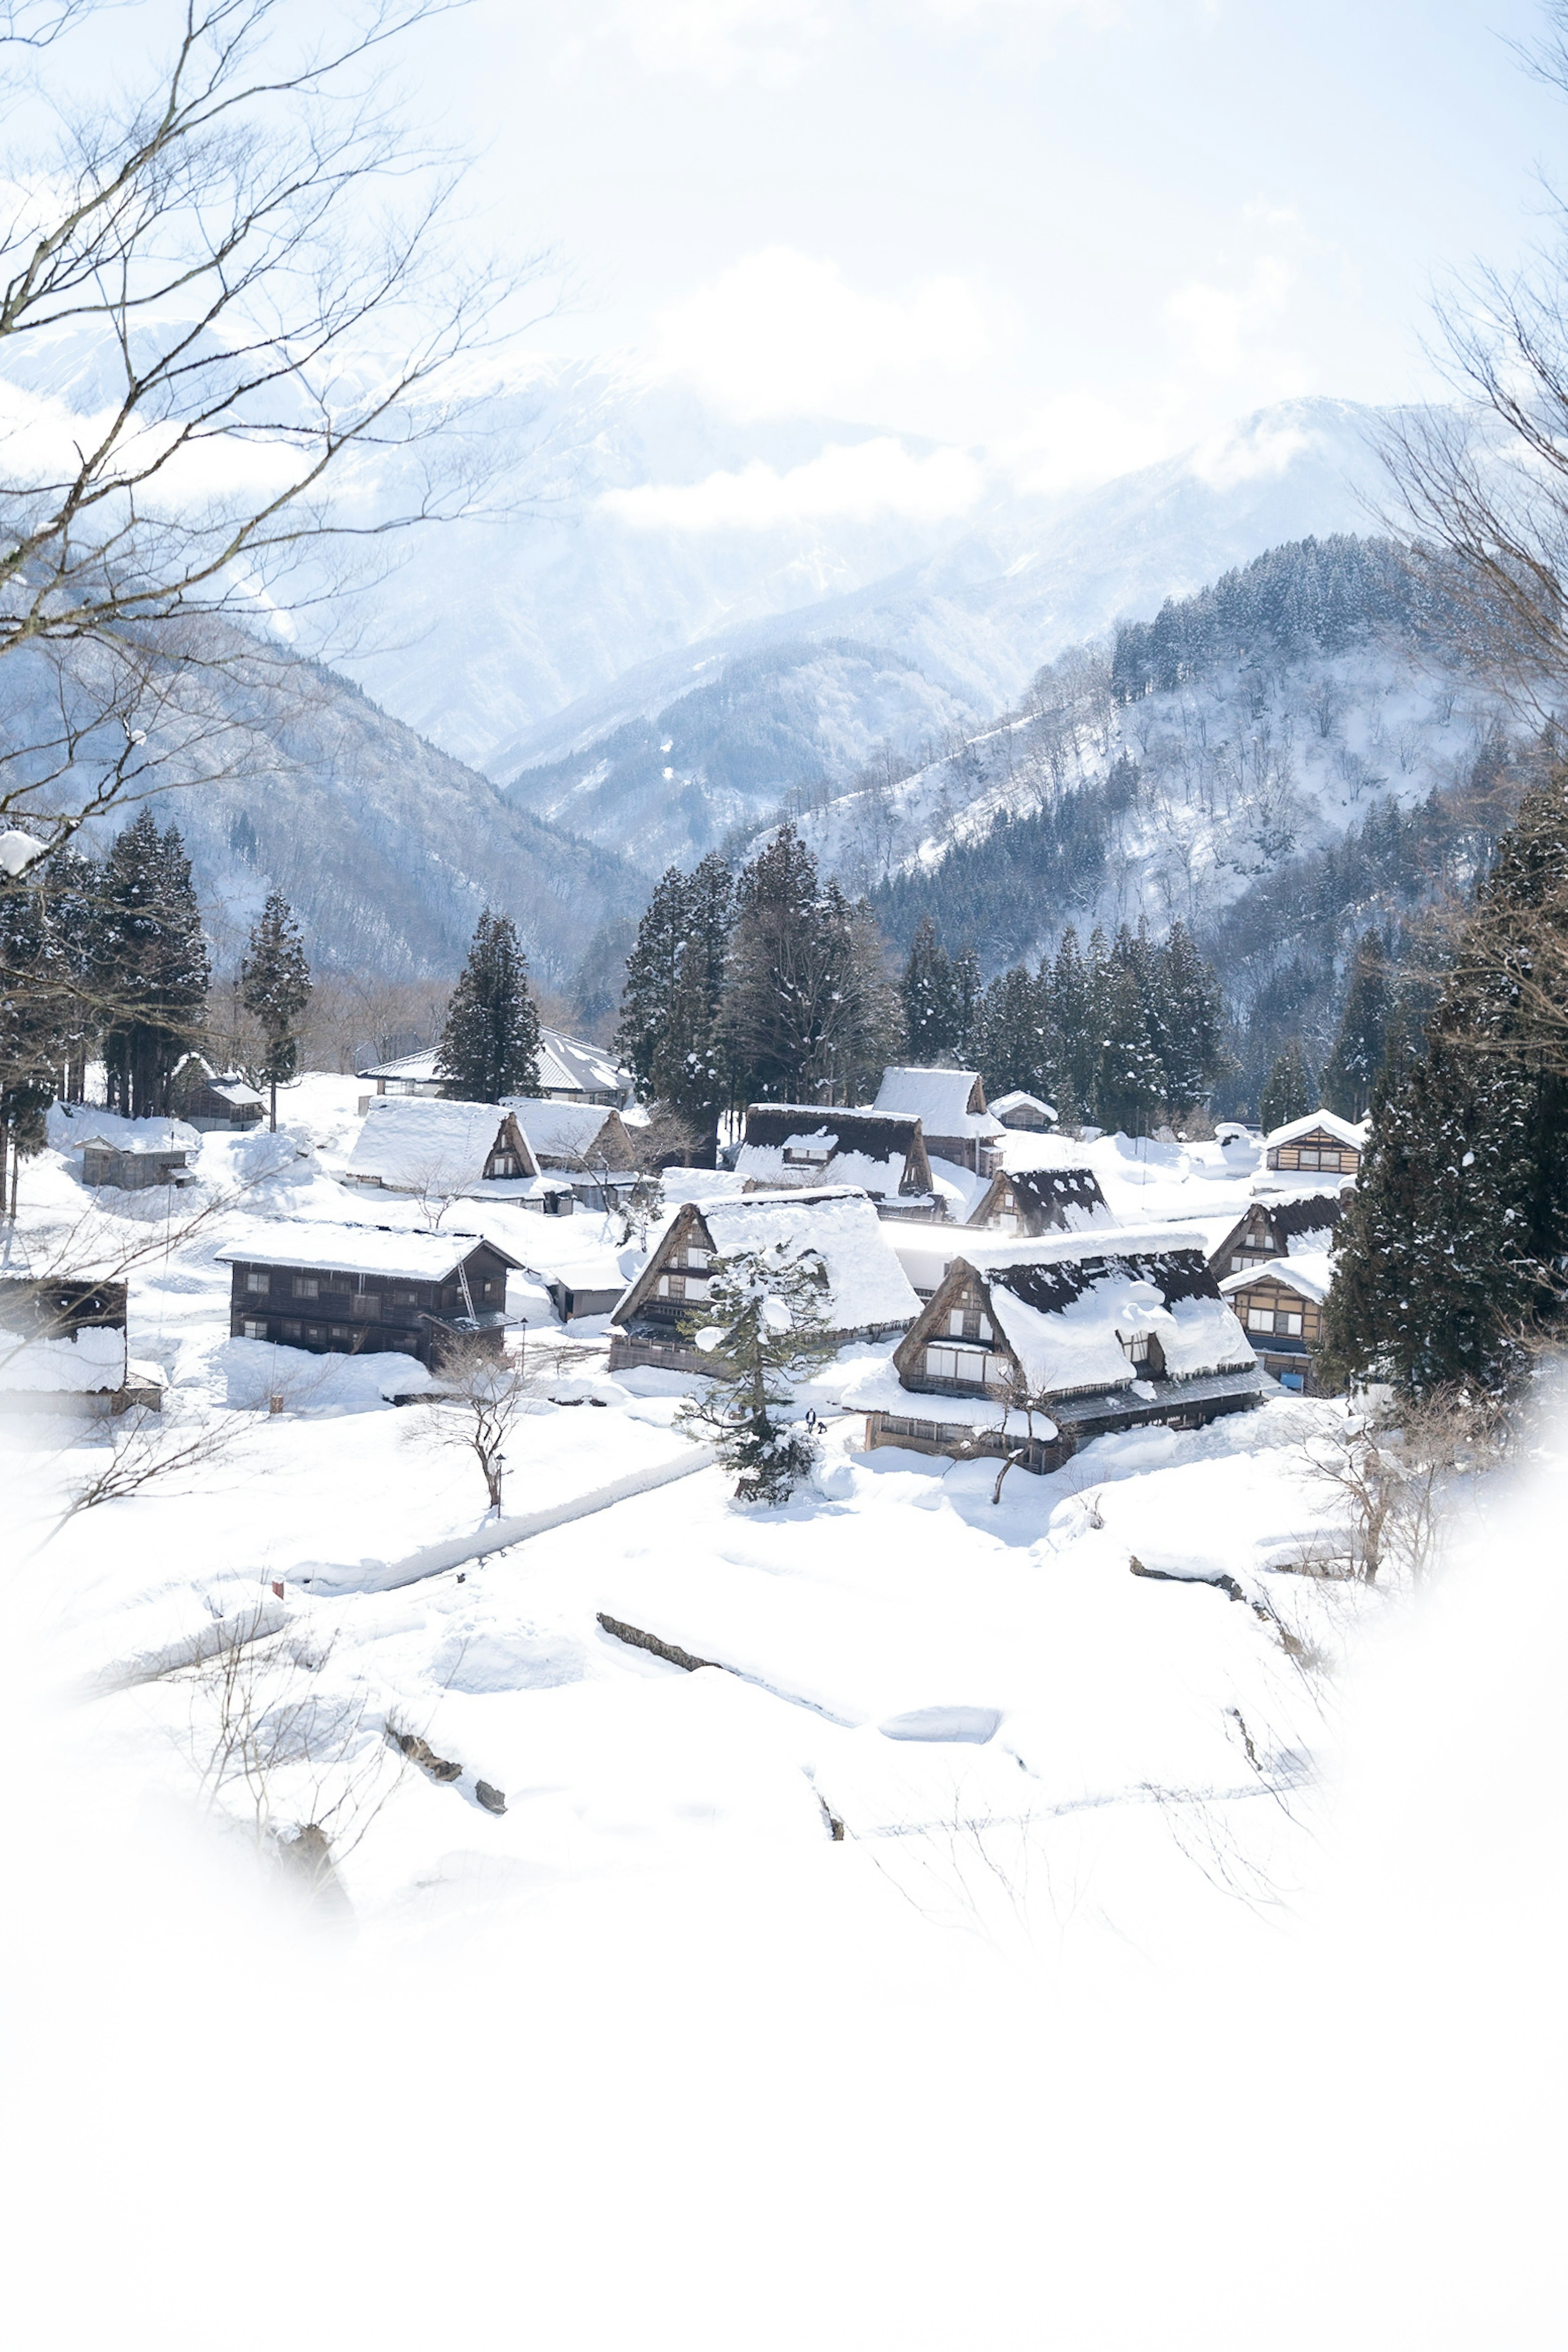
column 783, row 1174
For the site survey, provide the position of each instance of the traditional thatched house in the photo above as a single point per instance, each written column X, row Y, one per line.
column 1279, row 1305
column 439, row 1149
column 1277, row 1223
column 1041, row 1345
column 134, row 1164
column 881, row 1153
column 63, row 1348
column 1318, row 1142
column 570, row 1070
column 1034, row 1200
column 951, row 1108
column 867, row 1295
column 363, row 1289
column 583, row 1142
column 213, row 1100
column 1028, row 1111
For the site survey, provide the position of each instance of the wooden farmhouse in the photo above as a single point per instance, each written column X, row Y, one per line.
column 881, row 1152
column 1027, row 1111
column 213, row 1100
column 1042, row 1345
column 1318, row 1142
column 570, row 1070
column 136, row 1165
column 951, row 1108
column 1034, row 1201
column 1280, row 1306
column 586, row 1143
column 440, row 1150
column 869, row 1294
column 366, row 1289
column 63, row 1349
column 1277, row 1223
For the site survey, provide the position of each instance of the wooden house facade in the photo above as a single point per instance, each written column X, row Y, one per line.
column 134, row 1167
column 367, row 1289
column 1024, row 1111
column 213, row 1100
column 63, row 1349
column 1034, row 1347
column 1318, row 1144
column 1276, row 1224
column 868, row 1292
column 1279, row 1305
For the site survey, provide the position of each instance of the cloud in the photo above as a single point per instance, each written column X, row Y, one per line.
column 1217, row 329
column 1246, row 453
column 1081, row 437
column 844, row 484
column 780, row 333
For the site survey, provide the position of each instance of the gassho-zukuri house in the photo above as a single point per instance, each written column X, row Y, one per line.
column 1034, row 1201
column 1096, row 1331
column 869, row 1295
column 881, row 1153
column 1279, row 1305
column 367, row 1289
column 539, row 1154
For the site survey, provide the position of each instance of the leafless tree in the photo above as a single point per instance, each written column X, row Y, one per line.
column 266, row 271
column 148, row 1448
column 479, row 1396
column 1388, row 1474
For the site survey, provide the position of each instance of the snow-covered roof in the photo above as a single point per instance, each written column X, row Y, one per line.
column 1019, row 1101
column 1342, row 1131
column 93, row 1360
column 1064, row 1308
column 139, row 1147
column 71, row 1124
column 1310, row 1274
column 940, row 1099
column 960, row 1188
column 1068, row 1198
column 416, row 1143
column 359, row 1249
column 565, row 1130
column 868, row 1288
column 870, row 1150
column 566, row 1065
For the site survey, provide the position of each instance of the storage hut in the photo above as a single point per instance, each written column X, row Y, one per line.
column 1041, row 1345
column 1019, row 1109
column 363, row 1289
column 1318, row 1142
column 213, row 1100
column 867, row 1295
column 951, row 1108
column 881, row 1153
column 584, row 1142
column 134, row 1164
column 1034, row 1201
column 1279, row 1305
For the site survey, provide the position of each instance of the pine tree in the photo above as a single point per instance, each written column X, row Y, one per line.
column 763, row 1327
column 1188, row 1020
column 928, row 998
column 1014, row 1047
column 808, row 1012
column 1361, row 1043
column 1128, row 1083
column 1290, row 1091
column 489, row 1045
column 1069, row 1013
column 153, row 968
column 30, row 1028
column 275, row 989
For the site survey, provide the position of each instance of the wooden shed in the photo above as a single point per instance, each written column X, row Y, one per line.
column 134, row 1167
column 1319, row 1143
column 63, row 1349
column 951, row 1108
column 364, row 1290
column 1024, row 1110
column 1279, row 1305
column 213, row 1100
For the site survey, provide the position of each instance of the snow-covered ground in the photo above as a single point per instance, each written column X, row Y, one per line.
column 930, row 1963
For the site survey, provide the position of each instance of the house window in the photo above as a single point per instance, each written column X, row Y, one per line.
column 306, row 1286
column 966, row 1364
column 1288, row 1324
column 363, row 1302
column 289, row 1330
column 257, row 1283
column 698, row 1260
column 488, row 1289
column 796, row 1157
column 254, row 1327
column 503, row 1163
column 1260, row 1319
column 405, row 1298
column 341, row 1336
column 1135, row 1346
column 313, row 1333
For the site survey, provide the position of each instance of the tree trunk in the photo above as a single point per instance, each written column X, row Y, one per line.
column 274, row 1125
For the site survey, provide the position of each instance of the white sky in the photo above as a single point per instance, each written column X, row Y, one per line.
column 1081, row 232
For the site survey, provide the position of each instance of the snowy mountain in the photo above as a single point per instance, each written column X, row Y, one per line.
column 904, row 664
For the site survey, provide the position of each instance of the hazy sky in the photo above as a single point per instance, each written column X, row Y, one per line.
column 1081, row 232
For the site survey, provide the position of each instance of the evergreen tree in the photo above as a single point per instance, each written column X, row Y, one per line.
column 30, row 1028
column 928, row 998
column 1069, row 1013
column 1290, row 1091
column 763, row 1327
column 1128, row 1085
column 668, row 1031
column 967, row 991
column 1452, row 1243
column 152, row 966
column 1361, row 1043
column 808, row 1012
column 1188, row 1021
column 1014, row 1045
column 275, row 989
column 489, row 1045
